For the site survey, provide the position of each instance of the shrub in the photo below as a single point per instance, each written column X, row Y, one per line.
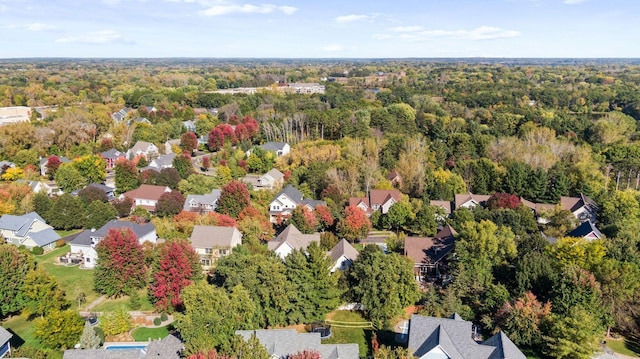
column 37, row 250
column 164, row 317
column 99, row 332
column 60, row 243
column 157, row 321
column 134, row 300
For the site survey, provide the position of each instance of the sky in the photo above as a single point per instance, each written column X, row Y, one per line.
column 320, row 28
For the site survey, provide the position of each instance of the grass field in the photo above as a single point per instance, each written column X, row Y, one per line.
column 624, row 346
column 72, row 280
column 111, row 305
column 143, row 334
column 349, row 335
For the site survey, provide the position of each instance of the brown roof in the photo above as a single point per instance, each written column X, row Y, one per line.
column 446, row 205
column 378, row 197
column 295, row 238
column 343, row 248
column 461, row 199
column 147, row 191
column 213, row 236
column 430, row 249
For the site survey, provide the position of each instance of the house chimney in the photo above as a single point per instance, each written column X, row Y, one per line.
column 93, row 230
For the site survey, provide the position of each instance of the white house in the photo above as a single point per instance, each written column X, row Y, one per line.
column 5, row 345
column 202, row 203
column 29, row 230
column 213, row 242
column 284, row 202
column 291, row 238
column 470, row 200
column 84, row 244
column 147, row 149
column 342, row 255
column 280, row 148
column 146, row 196
column 381, row 199
column 270, row 180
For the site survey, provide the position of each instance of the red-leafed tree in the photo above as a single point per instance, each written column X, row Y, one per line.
column 503, row 200
column 121, row 267
column 211, row 354
column 178, row 265
column 523, row 319
column 304, row 219
column 222, row 220
column 324, row 217
column 242, row 133
column 234, row 197
column 53, row 162
column 251, row 125
column 206, row 163
column 170, row 203
column 305, row 354
column 355, row 224
column 188, row 142
column 220, row 135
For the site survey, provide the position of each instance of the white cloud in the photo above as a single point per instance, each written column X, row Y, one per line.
column 351, row 18
column 381, row 36
column 36, row 26
column 406, row 28
column 333, row 48
column 218, row 10
column 97, row 37
column 573, row 2
column 415, row 33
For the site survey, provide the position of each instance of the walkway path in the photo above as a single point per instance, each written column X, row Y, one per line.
column 95, row 303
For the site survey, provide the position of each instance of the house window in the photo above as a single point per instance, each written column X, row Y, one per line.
column 205, row 262
column 223, row 252
column 88, row 260
column 208, row 251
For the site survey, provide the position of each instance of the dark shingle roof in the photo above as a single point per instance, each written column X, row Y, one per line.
column 343, row 248
column 273, row 146
column 292, row 193
column 283, row 342
column 168, row 348
column 102, row 354
column 584, row 229
column 504, row 347
column 140, row 230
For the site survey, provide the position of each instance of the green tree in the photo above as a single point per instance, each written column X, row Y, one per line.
column 400, row 214
column 41, row 293
column 15, row 265
column 383, row 283
column 89, row 338
column 168, row 177
column 59, row 329
column 574, row 336
column 249, row 349
column 93, row 168
column 67, row 212
column 114, row 323
column 126, row 176
column 68, row 178
column 524, row 319
column 98, row 214
column 183, row 165
column 212, row 315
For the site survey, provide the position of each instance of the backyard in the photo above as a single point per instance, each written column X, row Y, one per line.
column 343, row 333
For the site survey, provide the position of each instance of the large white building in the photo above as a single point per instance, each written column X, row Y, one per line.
column 14, row 114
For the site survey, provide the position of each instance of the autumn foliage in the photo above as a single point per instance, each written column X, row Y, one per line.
column 503, row 200
column 120, row 268
column 178, row 264
column 355, row 224
column 305, row 354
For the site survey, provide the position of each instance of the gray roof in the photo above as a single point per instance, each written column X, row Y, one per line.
column 504, row 347
column 454, row 336
column 292, row 193
column 284, row 342
column 313, row 203
column 168, row 348
column 209, row 198
column 584, row 229
column 343, row 248
column 273, row 146
column 275, row 174
column 5, row 336
column 103, row 354
column 112, row 153
column 165, row 160
column 212, row 236
column 63, row 159
column 140, row 230
column 295, row 238
column 7, row 163
column 21, row 225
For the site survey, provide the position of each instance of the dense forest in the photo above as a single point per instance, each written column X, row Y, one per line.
column 534, row 130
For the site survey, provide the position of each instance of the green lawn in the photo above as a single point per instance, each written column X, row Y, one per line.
column 624, row 346
column 25, row 335
column 111, row 305
column 143, row 334
column 63, row 233
column 349, row 335
column 72, row 280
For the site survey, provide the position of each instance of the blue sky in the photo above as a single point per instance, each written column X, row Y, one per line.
column 319, row 28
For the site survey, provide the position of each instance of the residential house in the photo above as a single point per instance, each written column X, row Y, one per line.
column 143, row 120
column 470, row 200
column 445, row 206
column 190, row 125
column 213, row 242
column 270, row 180
column 342, row 255
column 291, row 238
column 170, row 347
column 311, row 204
column 28, row 230
column 38, row 186
column 146, row 149
column 83, row 246
column 429, row 254
column 202, row 203
column 582, row 207
column 6, row 164
column 171, row 144
column 164, row 161
column 395, row 178
column 119, row 116
column 5, row 342
column 280, row 148
column 146, row 196
column 14, row 114
column 44, row 162
column 284, row 202
column 111, row 157
column 378, row 199
column 281, row 343
column 108, row 191
column 586, row 230
column 454, row 338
